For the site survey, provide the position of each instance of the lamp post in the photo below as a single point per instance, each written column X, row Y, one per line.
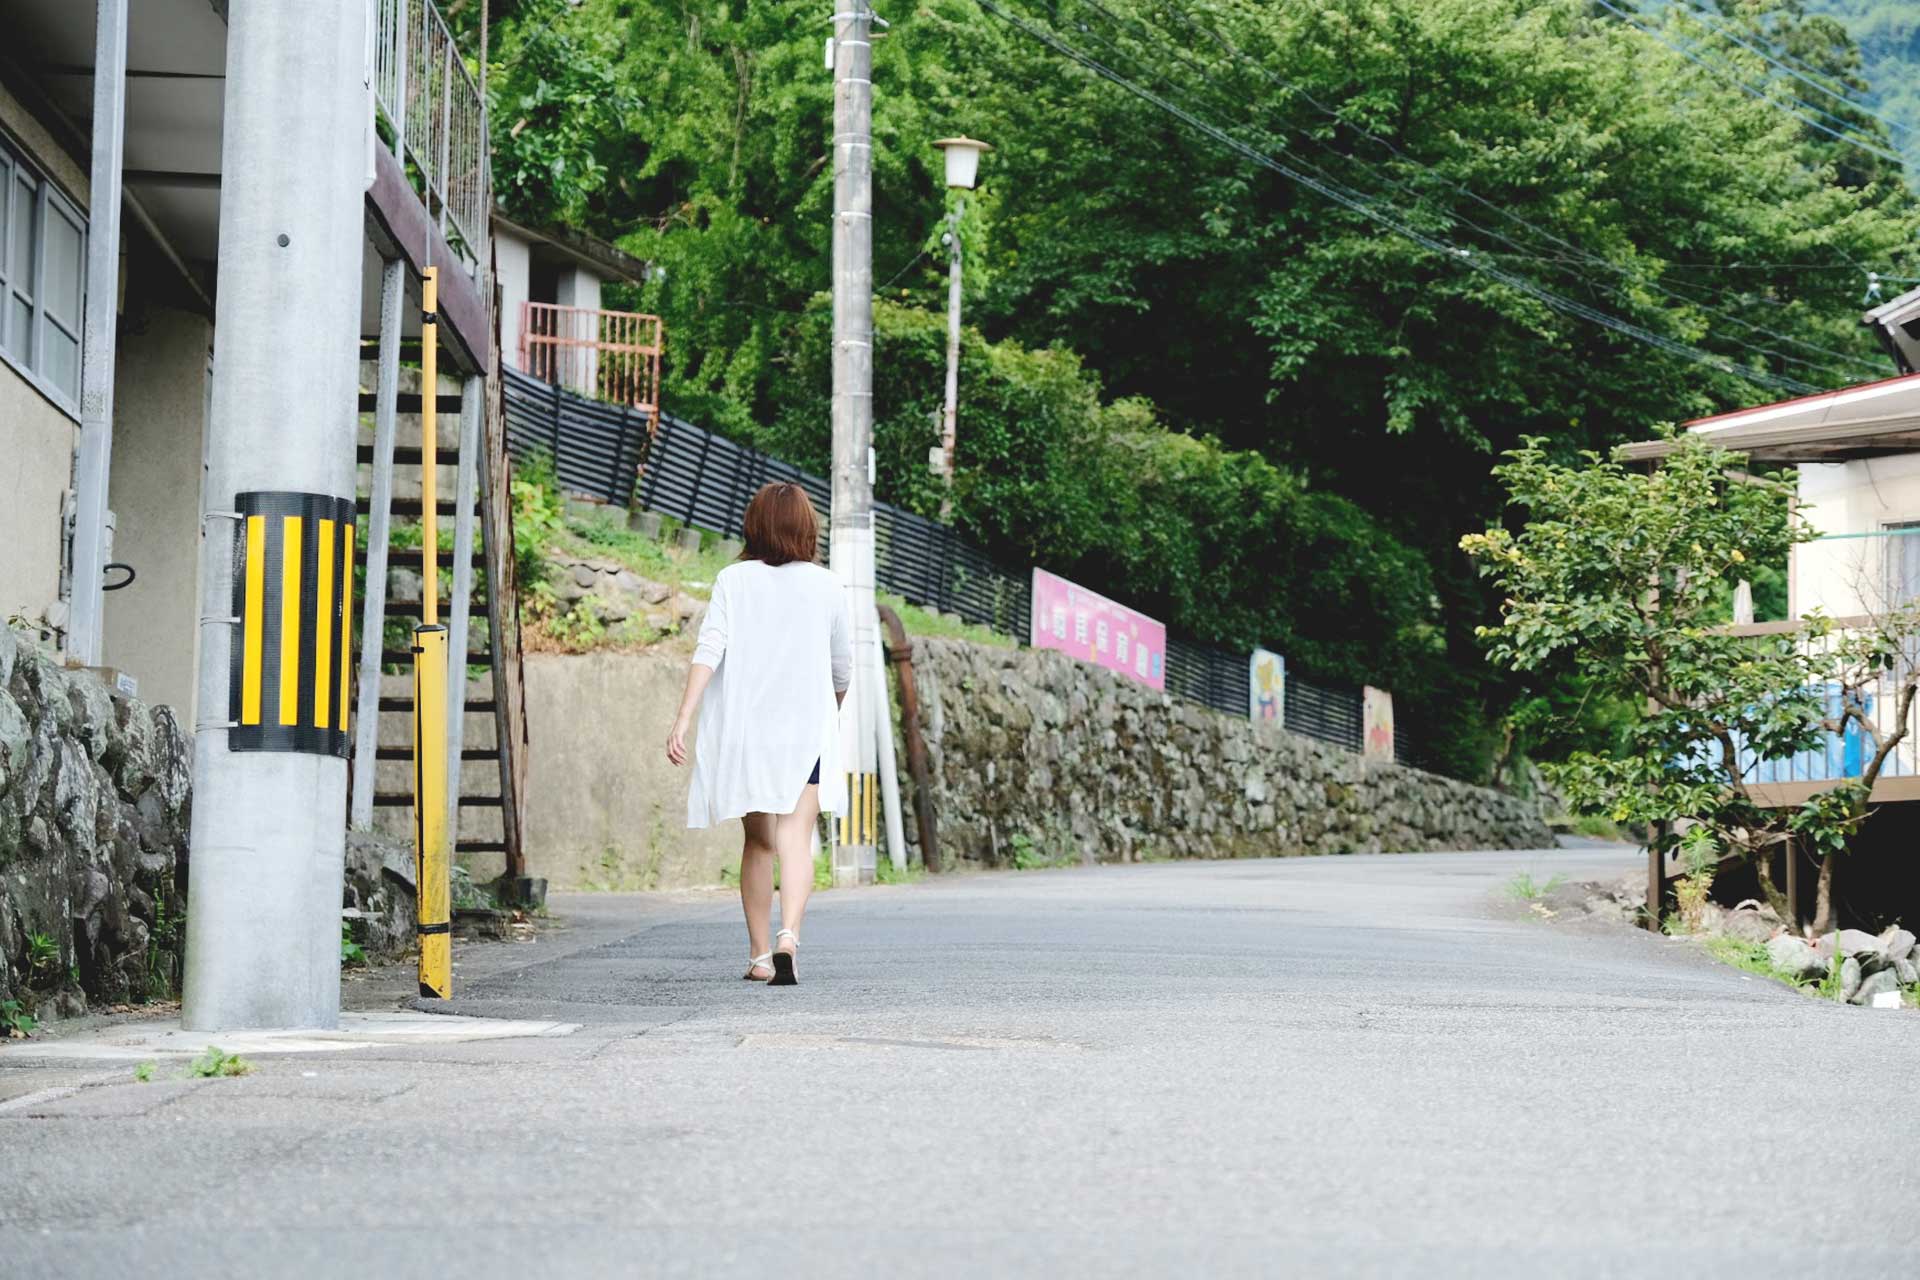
column 963, row 167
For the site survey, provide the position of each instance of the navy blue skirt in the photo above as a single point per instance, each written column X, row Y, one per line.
column 814, row 781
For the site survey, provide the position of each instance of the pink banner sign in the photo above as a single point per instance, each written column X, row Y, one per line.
column 1094, row 629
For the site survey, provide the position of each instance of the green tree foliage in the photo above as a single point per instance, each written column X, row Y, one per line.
column 1221, row 543
column 1629, row 572
column 1209, row 299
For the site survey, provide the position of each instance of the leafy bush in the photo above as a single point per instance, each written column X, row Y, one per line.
column 539, row 514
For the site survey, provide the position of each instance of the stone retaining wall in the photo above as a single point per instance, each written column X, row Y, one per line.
column 1037, row 757
column 94, row 798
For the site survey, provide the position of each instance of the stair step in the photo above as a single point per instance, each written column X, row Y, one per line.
column 411, row 609
column 412, row 557
column 395, row 799
column 408, row 402
column 409, row 508
column 408, row 455
column 474, row 706
column 404, row 657
column 406, row 753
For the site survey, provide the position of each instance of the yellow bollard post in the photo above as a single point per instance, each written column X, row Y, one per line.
column 433, row 892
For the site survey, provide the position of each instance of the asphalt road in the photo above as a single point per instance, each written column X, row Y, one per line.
column 1328, row 1067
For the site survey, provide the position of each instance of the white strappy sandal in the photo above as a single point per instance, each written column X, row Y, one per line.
column 783, row 974
column 759, row 962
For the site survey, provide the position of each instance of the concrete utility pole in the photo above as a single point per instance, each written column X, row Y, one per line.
column 270, row 769
column 93, row 461
column 852, row 530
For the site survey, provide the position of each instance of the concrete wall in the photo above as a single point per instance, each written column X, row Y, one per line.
column 36, row 439
column 1034, row 754
column 160, row 403
column 1847, row 576
column 578, row 287
column 513, row 257
column 604, row 808
column 64, row 168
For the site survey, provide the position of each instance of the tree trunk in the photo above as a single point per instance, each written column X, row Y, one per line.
column 1776, row 896
column 1823, row 897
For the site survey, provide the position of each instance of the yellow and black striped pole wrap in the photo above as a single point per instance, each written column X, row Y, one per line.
column 859, row 820
column 291, row 668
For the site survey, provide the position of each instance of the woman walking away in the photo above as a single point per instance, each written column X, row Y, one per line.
column 773, row 661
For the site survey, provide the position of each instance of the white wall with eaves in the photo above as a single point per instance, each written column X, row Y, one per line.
column 1851, row 504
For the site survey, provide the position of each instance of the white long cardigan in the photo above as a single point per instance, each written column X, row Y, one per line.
column 776, row 638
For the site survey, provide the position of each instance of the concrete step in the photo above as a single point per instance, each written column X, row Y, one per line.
column 400, row 685
column 480, row 657
column 406, row 489
column 396, row 821
column 413, row 557
column 412, row 609
column 478, row 778
column 405, row 455
column 406, row 508
column 406, row 432
column 408, row 382
column 481, row 732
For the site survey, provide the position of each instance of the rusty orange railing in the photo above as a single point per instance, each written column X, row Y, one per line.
column 609, row 355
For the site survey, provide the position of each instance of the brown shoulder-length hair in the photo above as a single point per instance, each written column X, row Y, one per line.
column 781, row 525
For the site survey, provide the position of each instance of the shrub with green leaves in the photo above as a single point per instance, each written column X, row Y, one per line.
column 1630, row 571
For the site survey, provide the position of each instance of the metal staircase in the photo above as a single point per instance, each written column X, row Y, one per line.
column 491, row 733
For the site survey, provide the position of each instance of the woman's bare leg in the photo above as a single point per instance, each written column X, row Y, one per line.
column 756, row 879
column 794, row 839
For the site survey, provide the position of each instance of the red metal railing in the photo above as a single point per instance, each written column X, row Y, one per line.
column 609, row 355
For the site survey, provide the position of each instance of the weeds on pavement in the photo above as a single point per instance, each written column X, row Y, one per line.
column 1524, row 888
column 216, row 1062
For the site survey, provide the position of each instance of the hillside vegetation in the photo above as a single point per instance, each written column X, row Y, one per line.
column 1887, row 33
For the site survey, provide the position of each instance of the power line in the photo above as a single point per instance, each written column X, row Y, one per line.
column 1453, row 216
column 1759, row 94
column 1727, row 35
column 1334, row 192
column 1706, row 19
column 917, row 259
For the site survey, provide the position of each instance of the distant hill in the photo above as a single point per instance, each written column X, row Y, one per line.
column 1888, row 33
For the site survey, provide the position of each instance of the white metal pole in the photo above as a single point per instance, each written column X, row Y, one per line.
column 263, row 933
column 465, row 492
column 852, row 529
column 949, row 425
column 373, row 626
column 889, row 772
column 93, row 461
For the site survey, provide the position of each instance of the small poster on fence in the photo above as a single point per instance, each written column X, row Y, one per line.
column 1376, row 708
column 1267, row 687
column 1092, row 628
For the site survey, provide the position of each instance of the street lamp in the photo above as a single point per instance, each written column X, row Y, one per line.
column 963, row 168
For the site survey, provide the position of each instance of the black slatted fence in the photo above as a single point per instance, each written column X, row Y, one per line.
column 705, row 480
column 597, row 449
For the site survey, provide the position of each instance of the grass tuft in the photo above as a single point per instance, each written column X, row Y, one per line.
column 1524, row 888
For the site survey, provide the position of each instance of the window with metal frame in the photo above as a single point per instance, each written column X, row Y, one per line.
column 43, row 265
column 1903, row 562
